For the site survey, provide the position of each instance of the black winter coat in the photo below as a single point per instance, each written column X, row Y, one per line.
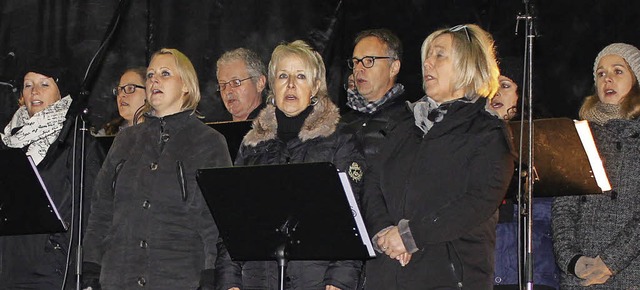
column 320, row 140
column 373, row 129
column 448, row 183
column 150, row 225
column 38, row 261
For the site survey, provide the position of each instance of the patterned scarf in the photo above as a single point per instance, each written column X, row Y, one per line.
column 359, row 103
column 427, row 112
column 37, row 132
column 600, row 113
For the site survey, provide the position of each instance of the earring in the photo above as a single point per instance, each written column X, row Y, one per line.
column 314, row 100
column 271, row 100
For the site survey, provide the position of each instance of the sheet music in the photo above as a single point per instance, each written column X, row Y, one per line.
column 364, row 235
column 55, row 209
column 584, row 131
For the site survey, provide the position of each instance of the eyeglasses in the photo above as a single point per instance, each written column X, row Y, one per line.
column 461, row 27
column 127, row 89
column 367, row 61
column 233, row 83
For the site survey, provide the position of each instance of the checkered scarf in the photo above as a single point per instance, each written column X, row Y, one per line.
column 359, row 103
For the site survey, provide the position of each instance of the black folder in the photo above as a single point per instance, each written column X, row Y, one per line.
column 25, row 204
column 560, row 161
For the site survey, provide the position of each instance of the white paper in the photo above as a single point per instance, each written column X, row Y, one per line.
column 356, row 213
column 592, row 153
column 53, row 205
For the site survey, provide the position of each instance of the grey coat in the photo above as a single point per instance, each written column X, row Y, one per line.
column 149, row 224
column 607, row 225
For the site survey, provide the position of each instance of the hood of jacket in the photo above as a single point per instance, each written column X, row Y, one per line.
column 321, row 122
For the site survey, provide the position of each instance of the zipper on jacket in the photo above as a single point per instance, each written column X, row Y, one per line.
column 458, row 277
column 115, row 175
column 181, row 181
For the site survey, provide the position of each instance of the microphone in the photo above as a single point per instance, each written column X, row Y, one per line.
column 7, row 80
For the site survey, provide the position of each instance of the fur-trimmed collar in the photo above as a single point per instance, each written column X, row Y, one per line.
column 321, row 122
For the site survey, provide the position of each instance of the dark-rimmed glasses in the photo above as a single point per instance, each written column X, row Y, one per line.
column 461, row 27
column 127, row 89
column 233, row 83
column 366, row 61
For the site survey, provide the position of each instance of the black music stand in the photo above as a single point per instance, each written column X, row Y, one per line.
column 233, row 131
column 284, row 212
column 25, row 204
column 561, row 163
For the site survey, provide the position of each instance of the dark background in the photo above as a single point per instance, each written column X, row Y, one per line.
column 570, row 35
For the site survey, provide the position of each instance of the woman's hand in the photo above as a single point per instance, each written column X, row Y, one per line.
column 331, row 287
column 404, row 259
column 391, row 243
column 593, row 271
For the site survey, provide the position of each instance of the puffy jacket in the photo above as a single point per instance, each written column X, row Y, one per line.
column 372, row 129
column 320, row 140
column 150, row 225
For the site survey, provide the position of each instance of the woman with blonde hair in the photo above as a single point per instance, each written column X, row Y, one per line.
column 596, row 237
column 299, row 125
column 149, row 224
column 431, row 200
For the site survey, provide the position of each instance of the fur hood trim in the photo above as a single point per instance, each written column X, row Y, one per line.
column 321, row 122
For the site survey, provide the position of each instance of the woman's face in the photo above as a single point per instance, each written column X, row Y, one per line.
column 504, row 103
column 39, row 92
column 437, row 70
column 293, row 86
column 128, row 104
column 165, row 89
column 614, row 79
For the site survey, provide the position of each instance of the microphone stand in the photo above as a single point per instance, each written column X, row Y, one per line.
column 525, row 195
column 79, row 110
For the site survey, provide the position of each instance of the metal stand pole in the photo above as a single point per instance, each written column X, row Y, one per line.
column 525, row 200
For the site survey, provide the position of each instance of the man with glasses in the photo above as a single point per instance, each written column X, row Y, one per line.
column 241, row 79
column 377, row 100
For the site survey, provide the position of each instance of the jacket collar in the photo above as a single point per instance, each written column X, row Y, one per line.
column 173, row 122
column 458, row 113
column 321, row 122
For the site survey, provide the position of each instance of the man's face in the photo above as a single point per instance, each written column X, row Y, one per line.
column 372, row 83
column 240, row 101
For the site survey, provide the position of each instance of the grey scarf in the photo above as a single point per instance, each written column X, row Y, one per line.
column 600, row 113
column 427, row 112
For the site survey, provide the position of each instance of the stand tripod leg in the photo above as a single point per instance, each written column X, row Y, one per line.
column 282, row 264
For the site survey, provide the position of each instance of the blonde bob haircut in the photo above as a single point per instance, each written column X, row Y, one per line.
column 474, row 60
column 188, row 75
column 312, row 60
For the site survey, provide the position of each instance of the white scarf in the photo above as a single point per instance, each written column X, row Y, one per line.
column 37, row 132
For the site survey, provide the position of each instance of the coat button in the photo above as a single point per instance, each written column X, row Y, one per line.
column 143, row 244
column 146, row 204
column 165, row 137
column 153, row 166
column 142, row 281
column 497, row 280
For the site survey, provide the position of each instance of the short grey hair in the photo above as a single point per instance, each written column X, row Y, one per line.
column 254, row 64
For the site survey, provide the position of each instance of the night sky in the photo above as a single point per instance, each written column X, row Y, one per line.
column 570, row 34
